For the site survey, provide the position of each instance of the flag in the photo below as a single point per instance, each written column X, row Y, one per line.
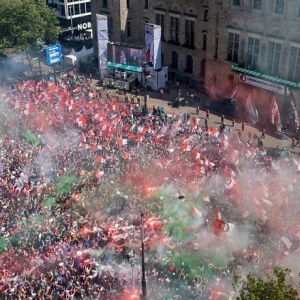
column 90, row 133
column 233, row 92
column 98, row 174
column 196, row 154
column 252, row 110
column 96, row 147
column 100, row 159
column 122, row 142
column 196, row 212
column 126, row 155
column 275, row 114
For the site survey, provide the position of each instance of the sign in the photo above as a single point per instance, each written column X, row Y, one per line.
column 263, row 84
column 84, row 26
column 53, row 54
column 102, row 40
column 153, row 45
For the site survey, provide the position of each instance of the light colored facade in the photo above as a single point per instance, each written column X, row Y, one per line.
column 262, row 36
column 184, row 30
column 203, row 39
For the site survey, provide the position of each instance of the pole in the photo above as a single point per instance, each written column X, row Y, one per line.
column 145, row 88
column 40, row 68
column 71, row 15
column 144, row 284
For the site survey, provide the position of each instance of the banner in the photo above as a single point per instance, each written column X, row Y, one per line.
column 252, row 111
column 275, row 114
column 102, row 40
column 267, row 85
column 153, row 45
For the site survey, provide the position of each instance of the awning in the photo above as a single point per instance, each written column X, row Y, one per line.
column 266, row 77
column 125, row 67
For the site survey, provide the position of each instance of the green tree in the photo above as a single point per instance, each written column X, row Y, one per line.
column 25, row 22
column 272, row 288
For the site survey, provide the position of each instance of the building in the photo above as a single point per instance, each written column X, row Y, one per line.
column 254, row 46
column 184, row 31
column 73, row 14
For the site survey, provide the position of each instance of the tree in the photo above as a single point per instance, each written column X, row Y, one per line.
column 274, row 287
column 25, row 22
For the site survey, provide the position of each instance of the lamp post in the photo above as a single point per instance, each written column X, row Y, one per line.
column 145, row 87
column 144, row 284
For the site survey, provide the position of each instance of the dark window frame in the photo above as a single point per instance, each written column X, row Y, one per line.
column 233, row 47
column 190, row 33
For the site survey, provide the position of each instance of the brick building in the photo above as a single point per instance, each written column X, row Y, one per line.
column 184, row 31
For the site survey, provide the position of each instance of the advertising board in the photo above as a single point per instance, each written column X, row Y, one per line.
column 121, row 54
column 53, row 54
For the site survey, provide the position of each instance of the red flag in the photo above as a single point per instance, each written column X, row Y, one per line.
column 100, row 160
column 126, row 155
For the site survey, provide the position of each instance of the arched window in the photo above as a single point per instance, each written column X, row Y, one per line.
column 203, row 67
column 174, row 60
column 189, row 64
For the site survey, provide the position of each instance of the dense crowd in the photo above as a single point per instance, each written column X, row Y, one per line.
column 77, row 170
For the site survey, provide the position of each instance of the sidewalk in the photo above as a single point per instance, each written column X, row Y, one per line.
column 273, row 139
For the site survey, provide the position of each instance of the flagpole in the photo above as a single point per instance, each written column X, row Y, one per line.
column 144, row 283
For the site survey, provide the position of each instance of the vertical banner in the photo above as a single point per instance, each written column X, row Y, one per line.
column 102, row 40
column 149, row 38
column 153, row 45
column 157, row 48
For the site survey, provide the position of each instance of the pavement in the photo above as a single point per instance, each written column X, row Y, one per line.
column 273, row 139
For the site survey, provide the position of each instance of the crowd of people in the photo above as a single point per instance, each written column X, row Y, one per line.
column 77, row 171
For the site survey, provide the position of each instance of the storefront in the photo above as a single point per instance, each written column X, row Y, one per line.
column 263, row 89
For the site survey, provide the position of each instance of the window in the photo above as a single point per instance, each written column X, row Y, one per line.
column 190, row 33
column 174, row 60
column 175, row 29
column 204, row 40
column 104, row 3
column 189, row 64
column 203, row 68
column 294, row 69
column 236, row 2
column 88, row 7
column 160, row 20
column 274, row 58
column 76, row 6
column 233, row 47
column 128, row 28
column 279, row 6
column 217, row 47
column 205, row 19
column 257, row 4
column 128, row 4
column 82, row 8
column 253, row 53
column 110, row 26
column 146, row 4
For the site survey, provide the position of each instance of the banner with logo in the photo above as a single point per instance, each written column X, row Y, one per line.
column 153, row 45
column 267, row 85
column 102, row 40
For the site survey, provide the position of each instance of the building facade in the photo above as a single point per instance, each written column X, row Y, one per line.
column 184, row 31
column 213, row 43
column 73, row 14
column 254, row 45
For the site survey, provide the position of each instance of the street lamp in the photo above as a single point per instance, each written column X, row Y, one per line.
column 144, row 284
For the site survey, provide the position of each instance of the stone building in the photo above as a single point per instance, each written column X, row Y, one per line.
column 184, row 31
column 219, row 43
column 254, row 45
